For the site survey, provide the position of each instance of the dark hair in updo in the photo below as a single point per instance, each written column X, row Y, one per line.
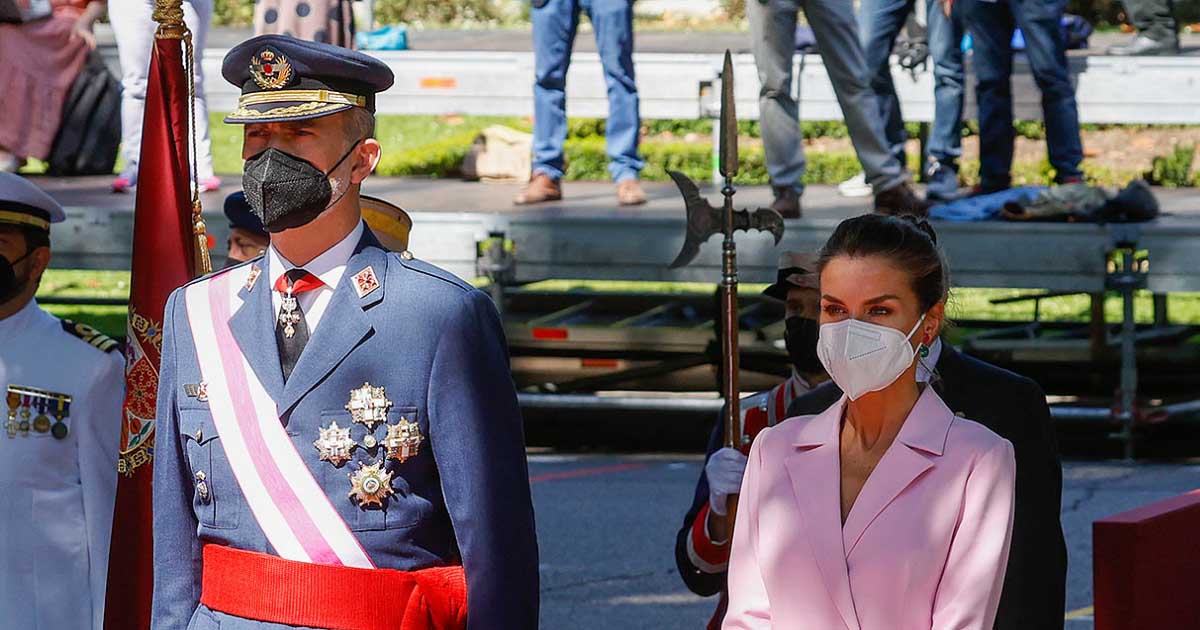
column 908, row 243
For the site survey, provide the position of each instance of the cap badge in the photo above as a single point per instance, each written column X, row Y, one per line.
column 270, row 70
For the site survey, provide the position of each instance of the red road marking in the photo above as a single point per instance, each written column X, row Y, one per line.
column 585, row 472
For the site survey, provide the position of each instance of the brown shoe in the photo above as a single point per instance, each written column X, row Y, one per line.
column 787, row 202
column 540, row 188
column 900, row 200
column 630, row 193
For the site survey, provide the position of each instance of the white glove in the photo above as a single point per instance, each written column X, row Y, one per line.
column 724, row 471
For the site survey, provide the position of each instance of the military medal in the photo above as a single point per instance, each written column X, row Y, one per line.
column 368, row 405
column 14, row 403
column 370, row 485
column 41, row 423
column 61, row 410
column 335, row 444
column 403, row 440
column 289, row 314
column 202, row 486
column 26, row 404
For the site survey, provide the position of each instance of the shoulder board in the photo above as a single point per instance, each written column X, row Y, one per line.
column 216, row 272
column 420, row 266
column 94, row 337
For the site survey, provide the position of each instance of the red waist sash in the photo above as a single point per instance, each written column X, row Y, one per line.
column 268, row 588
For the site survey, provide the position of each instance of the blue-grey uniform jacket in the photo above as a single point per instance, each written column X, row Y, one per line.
column 437, row 347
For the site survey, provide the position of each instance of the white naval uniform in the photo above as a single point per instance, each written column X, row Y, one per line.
column 56, row 495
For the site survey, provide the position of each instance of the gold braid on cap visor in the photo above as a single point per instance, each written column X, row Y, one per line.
column 20, row 218
column 311, row 102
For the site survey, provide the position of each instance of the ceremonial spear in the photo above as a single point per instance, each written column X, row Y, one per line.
column 705, row 220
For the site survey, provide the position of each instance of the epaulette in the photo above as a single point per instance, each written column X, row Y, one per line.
column 97, row 339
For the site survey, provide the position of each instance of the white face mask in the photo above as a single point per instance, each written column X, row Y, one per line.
column 862, row 357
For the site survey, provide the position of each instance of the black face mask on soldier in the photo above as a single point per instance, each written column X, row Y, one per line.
column 285, row 191
column 801, row 341
column 10, row 285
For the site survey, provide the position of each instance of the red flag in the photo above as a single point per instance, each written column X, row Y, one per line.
column 163, row 259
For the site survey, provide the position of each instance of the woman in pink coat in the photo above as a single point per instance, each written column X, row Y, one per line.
column 886, row 512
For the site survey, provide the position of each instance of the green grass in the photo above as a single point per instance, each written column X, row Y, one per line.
column 434, row 146
column 965, row 303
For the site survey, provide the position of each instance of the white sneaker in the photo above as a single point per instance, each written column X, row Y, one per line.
column 855, row 187
column 9, row 163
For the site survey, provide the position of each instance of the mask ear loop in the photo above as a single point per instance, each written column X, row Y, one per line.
column 335, row 167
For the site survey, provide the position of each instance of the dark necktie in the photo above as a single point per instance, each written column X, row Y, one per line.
column 291, row 331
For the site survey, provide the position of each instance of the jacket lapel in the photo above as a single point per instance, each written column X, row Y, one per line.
column 253, row 323
column 814, row 471
column 343, row 326
column 922, row 436
column 949, row 367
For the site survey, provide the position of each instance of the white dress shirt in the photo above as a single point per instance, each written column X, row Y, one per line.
column 329, row 266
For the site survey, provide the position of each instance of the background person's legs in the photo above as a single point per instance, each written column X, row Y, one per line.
column 949, row 79
column 554, row 27
column 991, row 25
column 837, row 37
column 1047, row 53
column 134, row 31
column 613, row 23
column 882, row 21
column 1157, row 28
column 197, row 14
column 773, row 40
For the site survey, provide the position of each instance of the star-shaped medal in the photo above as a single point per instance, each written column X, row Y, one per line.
column 335, row 444
column 370, row 485
column 403, row 440
column 368, row 405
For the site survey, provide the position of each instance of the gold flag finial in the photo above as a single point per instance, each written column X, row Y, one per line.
column 169, row 15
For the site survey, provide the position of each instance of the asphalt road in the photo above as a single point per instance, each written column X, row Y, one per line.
column 606, row 527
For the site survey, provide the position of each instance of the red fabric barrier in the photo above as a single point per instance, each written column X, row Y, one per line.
column 1146, row 566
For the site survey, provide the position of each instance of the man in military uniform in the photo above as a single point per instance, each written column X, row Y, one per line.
column 702, row 544
column 64, row 384
column 339, row 441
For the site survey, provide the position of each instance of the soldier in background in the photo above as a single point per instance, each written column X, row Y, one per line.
column 247, row 237
column 64, row 384
column 702, row 544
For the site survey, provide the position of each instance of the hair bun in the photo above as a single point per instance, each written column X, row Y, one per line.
column 923, row 225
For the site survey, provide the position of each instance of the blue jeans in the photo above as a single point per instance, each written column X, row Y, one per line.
column 991, row 25
column 554, row 27
column 773, row 40
column 882, row 21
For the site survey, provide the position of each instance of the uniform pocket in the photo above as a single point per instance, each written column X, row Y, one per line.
column 214, row 488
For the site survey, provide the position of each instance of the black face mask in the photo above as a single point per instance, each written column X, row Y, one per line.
column 801, row 340
column 285, row 191
column 10, row 285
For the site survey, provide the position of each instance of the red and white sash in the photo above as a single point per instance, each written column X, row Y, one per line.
column 290, row 506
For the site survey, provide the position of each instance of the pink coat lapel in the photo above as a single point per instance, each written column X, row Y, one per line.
column 814, row 473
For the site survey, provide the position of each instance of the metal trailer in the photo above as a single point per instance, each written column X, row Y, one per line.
column 581, row 241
